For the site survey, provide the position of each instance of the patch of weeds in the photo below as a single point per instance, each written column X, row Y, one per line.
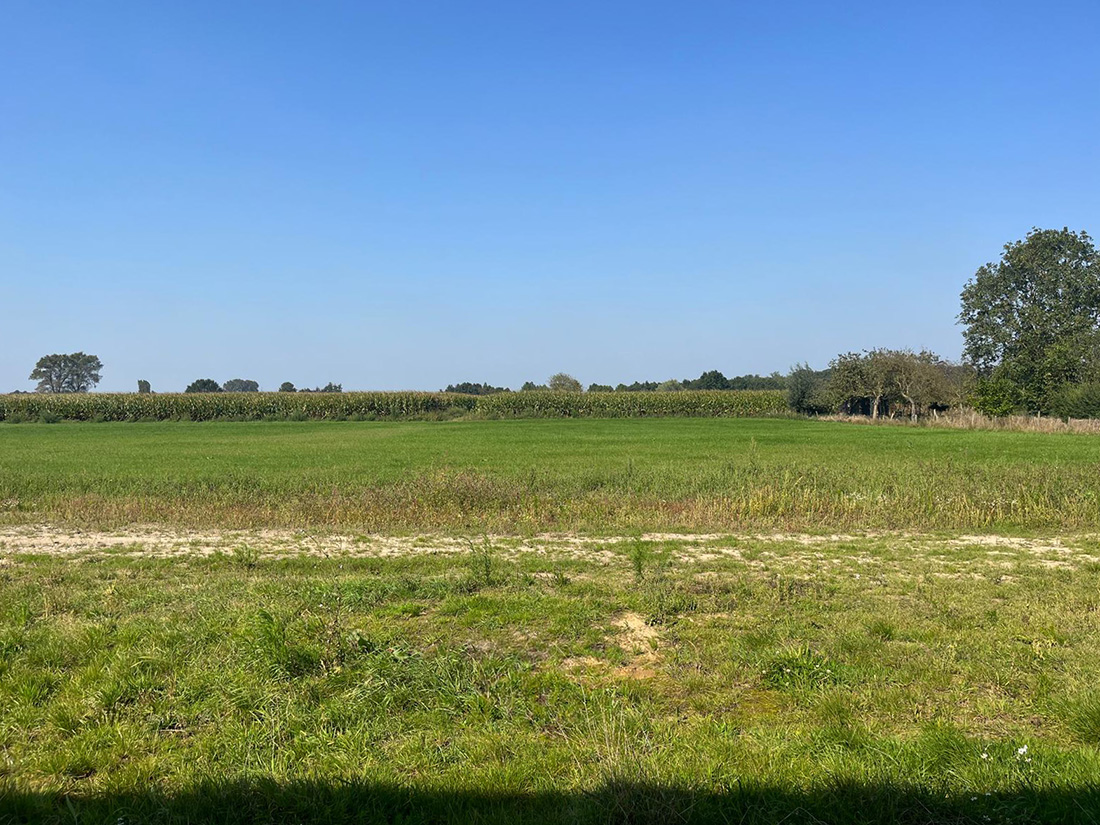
column 839, row 726
column 269, row 643
column 245, row 555
column 665, row 601
column 801, row 668
column 882, row 630
column 786, row 589
column 640, row 554
column 482, row 563
column 1083, row 718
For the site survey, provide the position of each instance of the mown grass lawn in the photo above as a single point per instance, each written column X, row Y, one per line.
column 871, row 679
column 527, row 476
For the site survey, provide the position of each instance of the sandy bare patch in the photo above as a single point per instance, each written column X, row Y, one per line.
column 752, row 549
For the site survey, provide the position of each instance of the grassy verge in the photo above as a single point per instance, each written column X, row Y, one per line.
column 913, row 679
column 529, row 476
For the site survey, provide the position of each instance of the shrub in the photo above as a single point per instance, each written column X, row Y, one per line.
column 996, row 397
column 1076, row 401
column 807, row 391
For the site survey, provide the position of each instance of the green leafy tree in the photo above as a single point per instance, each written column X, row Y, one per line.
column 286, row 386
column 240, row 385
column 144, row 388
column 996, row 396
column 204, row 385
column 564, row 382
column 848, row 385
column 74, row 372
column 600, row 388
column 919, row 379
column 710, row 380
column 1033, row 318
column 808, row 390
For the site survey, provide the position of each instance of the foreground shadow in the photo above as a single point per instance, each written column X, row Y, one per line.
column 264, row 801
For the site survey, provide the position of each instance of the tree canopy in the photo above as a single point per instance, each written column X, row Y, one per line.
column 74, row 372
column 204, row 385
column 1033, row 318
column 470, row 388
column 564, row 382
column 240, row 385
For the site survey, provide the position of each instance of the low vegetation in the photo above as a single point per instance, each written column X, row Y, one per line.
column 894, row 679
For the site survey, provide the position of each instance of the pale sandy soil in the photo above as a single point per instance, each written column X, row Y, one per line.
column 161, row 542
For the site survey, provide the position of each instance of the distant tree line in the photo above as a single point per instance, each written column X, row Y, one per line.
column 468, row 388
column 248, row 385
column 711, row 380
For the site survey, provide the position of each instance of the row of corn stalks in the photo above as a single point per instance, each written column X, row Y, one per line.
column 386, row 405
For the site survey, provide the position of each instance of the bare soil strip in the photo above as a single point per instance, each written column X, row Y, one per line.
column 161, row 542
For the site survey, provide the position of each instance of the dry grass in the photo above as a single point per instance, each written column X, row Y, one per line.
column 972, row 420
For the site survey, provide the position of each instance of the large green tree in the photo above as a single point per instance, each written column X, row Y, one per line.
column 1033, row 318
column 72, row 372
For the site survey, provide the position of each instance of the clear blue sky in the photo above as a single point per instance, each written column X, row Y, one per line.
column 403, row 195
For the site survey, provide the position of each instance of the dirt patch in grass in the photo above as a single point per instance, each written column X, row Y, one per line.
column 752, row 549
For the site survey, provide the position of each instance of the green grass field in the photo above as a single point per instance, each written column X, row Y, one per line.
column 536, row 475
column 907, row 679
column 751, row 621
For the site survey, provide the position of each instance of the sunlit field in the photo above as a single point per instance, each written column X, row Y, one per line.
column 549, row 475
column 661, row 620
column 912, row 679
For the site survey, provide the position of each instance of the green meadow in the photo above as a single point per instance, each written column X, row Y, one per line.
column 582, row 621
column 523, row 476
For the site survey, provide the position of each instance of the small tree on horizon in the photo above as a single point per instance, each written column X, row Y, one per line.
column 240, row 385
column 204, row 385
column 144, row 388
column 564, row 382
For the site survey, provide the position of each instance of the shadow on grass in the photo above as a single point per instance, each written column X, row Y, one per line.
column 265, row 801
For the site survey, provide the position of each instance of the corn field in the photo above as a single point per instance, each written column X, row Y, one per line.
column 386, row 405
column 691, row 403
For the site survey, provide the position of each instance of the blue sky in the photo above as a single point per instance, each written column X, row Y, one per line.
column 403, row 195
